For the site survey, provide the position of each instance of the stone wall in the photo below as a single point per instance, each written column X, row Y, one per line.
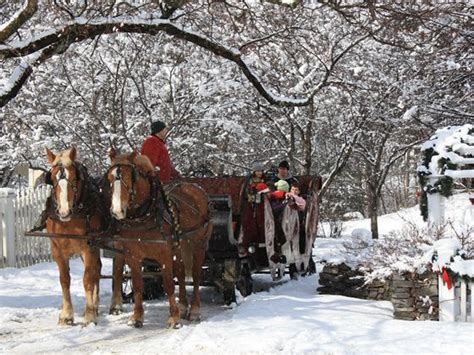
column 413, row 296
column 342, row 280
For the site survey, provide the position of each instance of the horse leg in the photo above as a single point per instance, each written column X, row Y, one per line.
column 66, row 317
column 117, row 275
column 136, row 320
column 91, row 281
column 180, row 273
column 168, row 284
column 96, row 295
column 198, row 258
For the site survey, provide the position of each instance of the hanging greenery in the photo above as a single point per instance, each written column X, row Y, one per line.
column 434, row 165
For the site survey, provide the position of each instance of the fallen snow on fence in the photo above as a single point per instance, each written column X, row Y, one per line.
column 19, row 212
column 289, row 318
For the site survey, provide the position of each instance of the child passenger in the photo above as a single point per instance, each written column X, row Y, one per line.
column 294, row 199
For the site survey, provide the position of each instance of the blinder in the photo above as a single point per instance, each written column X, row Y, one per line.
column 118, row 177
column 47, row 178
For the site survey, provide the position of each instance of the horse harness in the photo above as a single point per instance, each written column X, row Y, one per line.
column 151, row 214
column 86, row 198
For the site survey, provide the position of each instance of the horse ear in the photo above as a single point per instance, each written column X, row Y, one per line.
column 73, row 153
column 50, row 155
column 112, row 153
column 133, row 156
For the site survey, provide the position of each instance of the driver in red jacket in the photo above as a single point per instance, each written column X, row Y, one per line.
column 155, row 149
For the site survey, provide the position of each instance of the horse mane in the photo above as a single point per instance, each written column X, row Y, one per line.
column 64, row 159
column 142, row 162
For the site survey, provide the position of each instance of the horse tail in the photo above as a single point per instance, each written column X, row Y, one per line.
column 187, row 257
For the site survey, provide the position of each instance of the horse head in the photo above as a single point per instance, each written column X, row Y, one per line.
column 68, row 180
column 129, row 186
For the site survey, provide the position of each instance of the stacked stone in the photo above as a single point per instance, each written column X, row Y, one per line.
column 415, row 296
column 342, row 280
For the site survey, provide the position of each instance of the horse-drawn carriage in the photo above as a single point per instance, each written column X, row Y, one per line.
column 232, row 258
column 192, row 227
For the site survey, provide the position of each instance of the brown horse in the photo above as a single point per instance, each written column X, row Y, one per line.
column 173, row 224
column 73, row 208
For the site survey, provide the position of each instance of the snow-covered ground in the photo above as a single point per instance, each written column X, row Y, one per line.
column 290, row 317
column 287, row 317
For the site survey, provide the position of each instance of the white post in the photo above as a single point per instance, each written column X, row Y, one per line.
column 435, row 209
column 447, row 302
column 7, row 196
column 463, row 301
column 471, row 286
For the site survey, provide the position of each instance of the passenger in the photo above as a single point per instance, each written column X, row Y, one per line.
column 252, row 215
column 284, row 173
column 298, row 203
column 256, row 184
column 294, row 199
column 278, row 197
column 278, row 202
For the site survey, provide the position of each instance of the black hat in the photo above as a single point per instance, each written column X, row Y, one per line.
column 157, row 127
column 284, row 164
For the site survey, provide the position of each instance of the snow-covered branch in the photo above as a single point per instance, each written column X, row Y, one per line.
column 80, row 30
column 18, row 19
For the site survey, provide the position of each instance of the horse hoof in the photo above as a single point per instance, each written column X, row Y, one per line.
column 173, row 324
column 115, row 311
column 135, row 323
column 86, row 324
column 194, row 317
column 66, row 321
column 184, row 314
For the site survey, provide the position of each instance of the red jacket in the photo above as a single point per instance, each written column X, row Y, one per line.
column 155, row 149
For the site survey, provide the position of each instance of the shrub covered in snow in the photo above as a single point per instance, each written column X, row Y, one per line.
column 410, row 249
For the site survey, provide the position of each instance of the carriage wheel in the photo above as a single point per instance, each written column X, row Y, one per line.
column 127, row 289
column 311, row 265
column 152, row 286
column 229, row 293
column 245, row 283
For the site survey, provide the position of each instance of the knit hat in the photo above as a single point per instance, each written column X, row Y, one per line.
column 157, row 127
column 282, row 185
column 257, row 166
column 284, row 164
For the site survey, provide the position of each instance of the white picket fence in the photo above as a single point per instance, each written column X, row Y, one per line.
column 19, row 212
column 456, row 304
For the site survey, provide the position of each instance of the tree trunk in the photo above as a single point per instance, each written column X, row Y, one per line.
column 307, row 140
column 373, row 213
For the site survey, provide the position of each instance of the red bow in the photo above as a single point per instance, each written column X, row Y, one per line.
column 446, row 279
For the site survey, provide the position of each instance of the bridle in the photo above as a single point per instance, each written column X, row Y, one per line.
column 77, row 188
column 119, row 177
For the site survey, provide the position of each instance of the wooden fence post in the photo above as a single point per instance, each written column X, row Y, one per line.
column 435, row 208
column 447, row 301
column 8, row 223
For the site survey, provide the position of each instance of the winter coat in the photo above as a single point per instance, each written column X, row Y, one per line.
column 155, row 149
column 296, row 201
column 255, row 188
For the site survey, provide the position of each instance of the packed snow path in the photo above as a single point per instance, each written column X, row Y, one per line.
column 289, row 318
